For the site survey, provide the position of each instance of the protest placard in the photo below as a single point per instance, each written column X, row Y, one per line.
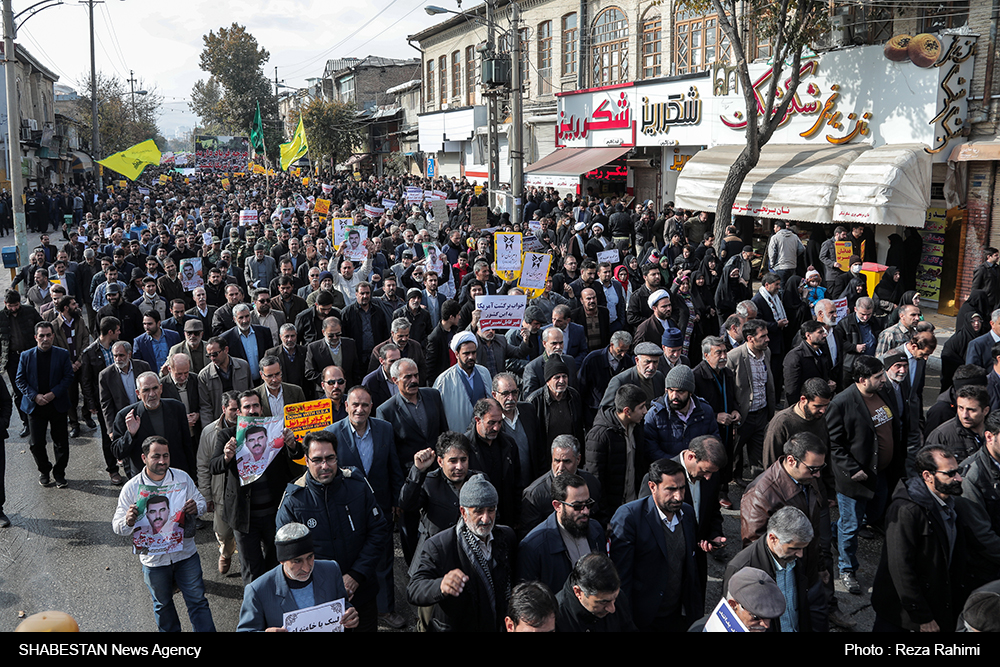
column 325, row 617
column 724, row 619
column 501, row 312
column 353, row 247
column 433, row 259
column 247, row 218
column 160, row 526
column 191, row 274
column 327, row 188
column 508, row 251
column 841, row 305
column 322, row 206
column 258, row 441
column 477, row 216
column 535, row 270
column 373, row 212
column 225, row 183
column 388, row 204
column 414, row 195
column 310, row 416
column 478, row 190
column 844, row 251
column 612, row 257
column 340, row 226
column 438, row 194
column 452, row 204
column 300, row 203
column 439, row 208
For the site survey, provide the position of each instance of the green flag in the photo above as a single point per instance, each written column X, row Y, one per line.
column 257, row 132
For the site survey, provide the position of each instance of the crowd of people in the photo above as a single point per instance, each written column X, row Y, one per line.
column 568, row 474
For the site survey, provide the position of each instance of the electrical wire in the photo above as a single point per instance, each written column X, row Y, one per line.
column 48, row 58
column 106, row 14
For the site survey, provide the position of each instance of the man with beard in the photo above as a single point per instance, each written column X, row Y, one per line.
column 123, row 311
column 639, row 308
column 805, row 415
column 466, row 570
column 660, row 583
column 71, row 333
column 463, row 384
column 677, row 417
column 550, row 550
column 917, row 584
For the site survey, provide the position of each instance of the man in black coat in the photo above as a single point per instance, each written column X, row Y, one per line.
column 437, row 349
column 597, row 370
column 806, row 360
column 379, row 382
column 495, row 453
column 469, row 590
column 918, row 583
column 152, row 415
column 243, row 328
column 292, row 359
column 987, row 276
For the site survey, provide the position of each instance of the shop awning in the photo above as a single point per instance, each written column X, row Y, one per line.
column 791, row 181
column 81, row 162
column 888, row 185
column 985, row 151
column 574, row 161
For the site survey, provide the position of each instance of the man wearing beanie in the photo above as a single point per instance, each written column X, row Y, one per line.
column 467, row 571
column 298, row 582
column 557, row 405
column 677, row 417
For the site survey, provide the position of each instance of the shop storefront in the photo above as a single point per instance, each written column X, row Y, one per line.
column 865, row 140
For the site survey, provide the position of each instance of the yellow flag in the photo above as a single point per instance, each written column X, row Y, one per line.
column 131, row 161
column 295, row 148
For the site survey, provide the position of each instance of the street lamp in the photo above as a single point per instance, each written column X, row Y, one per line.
column 517, row 110
column 131, row 84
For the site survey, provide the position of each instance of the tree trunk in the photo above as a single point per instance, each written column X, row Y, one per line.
column 737, row 173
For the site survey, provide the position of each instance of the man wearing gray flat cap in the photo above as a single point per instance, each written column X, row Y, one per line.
column 466, row 571
column 754, row 598
column 644, row 375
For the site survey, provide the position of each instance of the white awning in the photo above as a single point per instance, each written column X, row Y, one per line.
column 889, row 185
column 791, row 181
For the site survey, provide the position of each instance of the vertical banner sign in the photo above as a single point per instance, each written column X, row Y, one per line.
column 535, row 270
column 477, row 216
column 340, row 226
column 932, row 255
column 440, row 210
column 501, row 312
column 430, row 167
column 508, row 251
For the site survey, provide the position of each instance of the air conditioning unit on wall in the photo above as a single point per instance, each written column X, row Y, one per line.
column 837, row 37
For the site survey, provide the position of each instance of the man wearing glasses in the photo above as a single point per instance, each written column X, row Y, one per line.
column 549, row 551
column 275, row 394
column 223, row 373
column 334, row 385
column 250, row 510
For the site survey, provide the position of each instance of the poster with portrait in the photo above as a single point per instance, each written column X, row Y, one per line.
column 433, row 258
column 508, row 251
column 191, row 274
column 160, row 526
column 354, row 243
column 258, row 441
column 535, row 270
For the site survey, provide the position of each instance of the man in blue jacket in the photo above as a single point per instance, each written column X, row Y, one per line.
column 678, row 417
column 660, row 582
column 347, row 524
column 299, row 582
column 44, row 374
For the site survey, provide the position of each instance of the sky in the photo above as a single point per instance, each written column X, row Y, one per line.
column 161, row 41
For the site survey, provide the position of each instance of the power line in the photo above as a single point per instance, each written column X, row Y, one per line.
column 106, row 13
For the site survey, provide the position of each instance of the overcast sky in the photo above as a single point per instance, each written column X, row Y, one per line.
column 161, row 41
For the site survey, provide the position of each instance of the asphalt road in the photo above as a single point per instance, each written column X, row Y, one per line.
column 61, row 553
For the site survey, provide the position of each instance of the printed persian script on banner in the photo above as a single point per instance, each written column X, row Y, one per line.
column 535, row 270
column 340, row 226
column 388, row 204
column 258, row 442
column 322, row 206
column 324, row 617
column 501, row 312
column 610, row 256
column 724, row 619
column 310, row 416
column 247, row 218
column 508, row 249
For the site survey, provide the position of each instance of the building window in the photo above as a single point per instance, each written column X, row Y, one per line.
column 545, row 58
column 430, row 83
column 456, row 74
column 522, row 35
column 700, row 42
column 652, row 39
column 470, row 75
column 443, row 79
column 609, row 50
column 944, row 15
column 347, row 89
column 570, row 36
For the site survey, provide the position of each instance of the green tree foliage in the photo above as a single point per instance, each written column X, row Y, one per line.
column 790, row 26
column 120, row 122
column 235, row 61
column 206, row 99
column 332, row 129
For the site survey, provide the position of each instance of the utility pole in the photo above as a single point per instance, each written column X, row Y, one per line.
column 517, row 116
column 131, row 85
column 14, row 133
column 493, row 103
column 95, row 130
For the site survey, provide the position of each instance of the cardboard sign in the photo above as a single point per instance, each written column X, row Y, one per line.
column 501, row 312
column 477, row 216
column 322, row 206
column 325, row 617
column 247, row 218
column 612, row 257
column 439, row 208
column 258, row 442
column 310, row 416
column 507, row 247
column 843, row 254
column 531, row 244
column 534, row 270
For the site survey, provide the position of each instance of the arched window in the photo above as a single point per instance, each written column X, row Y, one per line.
column 652, row 40
column 570, row 36
column 609, row 47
